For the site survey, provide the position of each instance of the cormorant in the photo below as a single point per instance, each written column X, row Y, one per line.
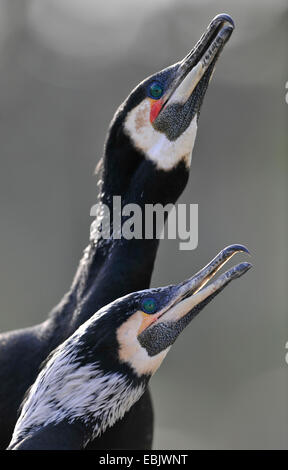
column 146, row 160
column 94, row 377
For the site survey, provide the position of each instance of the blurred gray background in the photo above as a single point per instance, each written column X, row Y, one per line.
column 65, row 65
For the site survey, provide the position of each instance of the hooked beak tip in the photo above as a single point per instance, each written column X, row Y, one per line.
column 236, row 248
column 224, row 17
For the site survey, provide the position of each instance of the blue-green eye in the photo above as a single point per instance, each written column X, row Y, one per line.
column 149, row 305
column 156, row 90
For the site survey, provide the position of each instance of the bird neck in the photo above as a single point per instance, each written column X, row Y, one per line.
column 106, row 272
column 112, row 268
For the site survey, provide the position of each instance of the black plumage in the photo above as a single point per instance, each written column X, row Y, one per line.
column 112, row 268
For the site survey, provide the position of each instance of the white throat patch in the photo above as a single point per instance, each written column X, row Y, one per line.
column 131, row 350
column 166, row 154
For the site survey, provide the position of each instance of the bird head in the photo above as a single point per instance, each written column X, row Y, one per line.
column 160, row 115
column 97, row 374
column 156, row 317
column 135, row 332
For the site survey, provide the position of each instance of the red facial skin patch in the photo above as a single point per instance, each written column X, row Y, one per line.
column 155, row 108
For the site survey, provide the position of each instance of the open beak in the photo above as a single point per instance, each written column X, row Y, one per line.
column 186, row 91
column 188, row 298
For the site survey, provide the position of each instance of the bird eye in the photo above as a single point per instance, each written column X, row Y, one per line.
column 149, row 305
column 156, row 90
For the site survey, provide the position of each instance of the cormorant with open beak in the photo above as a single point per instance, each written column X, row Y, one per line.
column 146, row 160
column 92, row 379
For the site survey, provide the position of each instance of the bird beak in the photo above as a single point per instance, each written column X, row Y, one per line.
column 192, row 76
column 188, row 298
